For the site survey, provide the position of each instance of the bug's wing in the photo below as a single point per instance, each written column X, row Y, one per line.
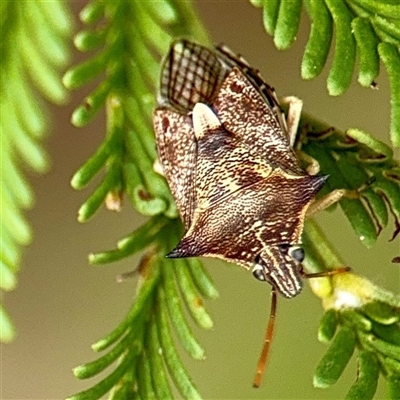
column 177, row 151
column 244, row 112
column 191, row 74
column 254, row 76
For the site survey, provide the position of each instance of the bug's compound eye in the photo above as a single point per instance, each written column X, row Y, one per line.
column 297, row 253
column 258, row 272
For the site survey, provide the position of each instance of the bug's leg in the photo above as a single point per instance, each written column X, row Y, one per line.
column 157, row 167
column 326, row 201
column 333, row 197
column 295, row 105
column 313, row 164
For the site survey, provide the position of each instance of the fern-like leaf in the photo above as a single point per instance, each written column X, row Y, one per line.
column 365, row 167
column 362, row 165
column 34, row 49
column 369, row 29
column 358, row 315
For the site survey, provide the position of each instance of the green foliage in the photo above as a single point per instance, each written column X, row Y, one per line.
column 128, row 71
column 336, row 358
column 142, row 346
column 362, row 165
column 368, row 321
column 34, row 49
column 369, row 29
column 359, row 315
column 377, row 338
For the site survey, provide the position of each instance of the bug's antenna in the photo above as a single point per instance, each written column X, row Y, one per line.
column 268, row 338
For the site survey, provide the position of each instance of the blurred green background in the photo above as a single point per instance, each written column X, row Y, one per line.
column 62, row 304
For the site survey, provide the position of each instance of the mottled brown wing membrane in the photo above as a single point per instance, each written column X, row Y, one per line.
column 254, row 76
column 190, row 74
column 243, row 111
column 177, row 151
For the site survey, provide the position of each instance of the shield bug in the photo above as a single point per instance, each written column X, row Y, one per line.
column 226, row 152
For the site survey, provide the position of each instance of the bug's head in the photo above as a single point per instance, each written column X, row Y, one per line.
column 280, row 266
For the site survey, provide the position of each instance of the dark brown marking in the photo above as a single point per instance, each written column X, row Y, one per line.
column 144, row 195
column 236, row 88
column 165, row 123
